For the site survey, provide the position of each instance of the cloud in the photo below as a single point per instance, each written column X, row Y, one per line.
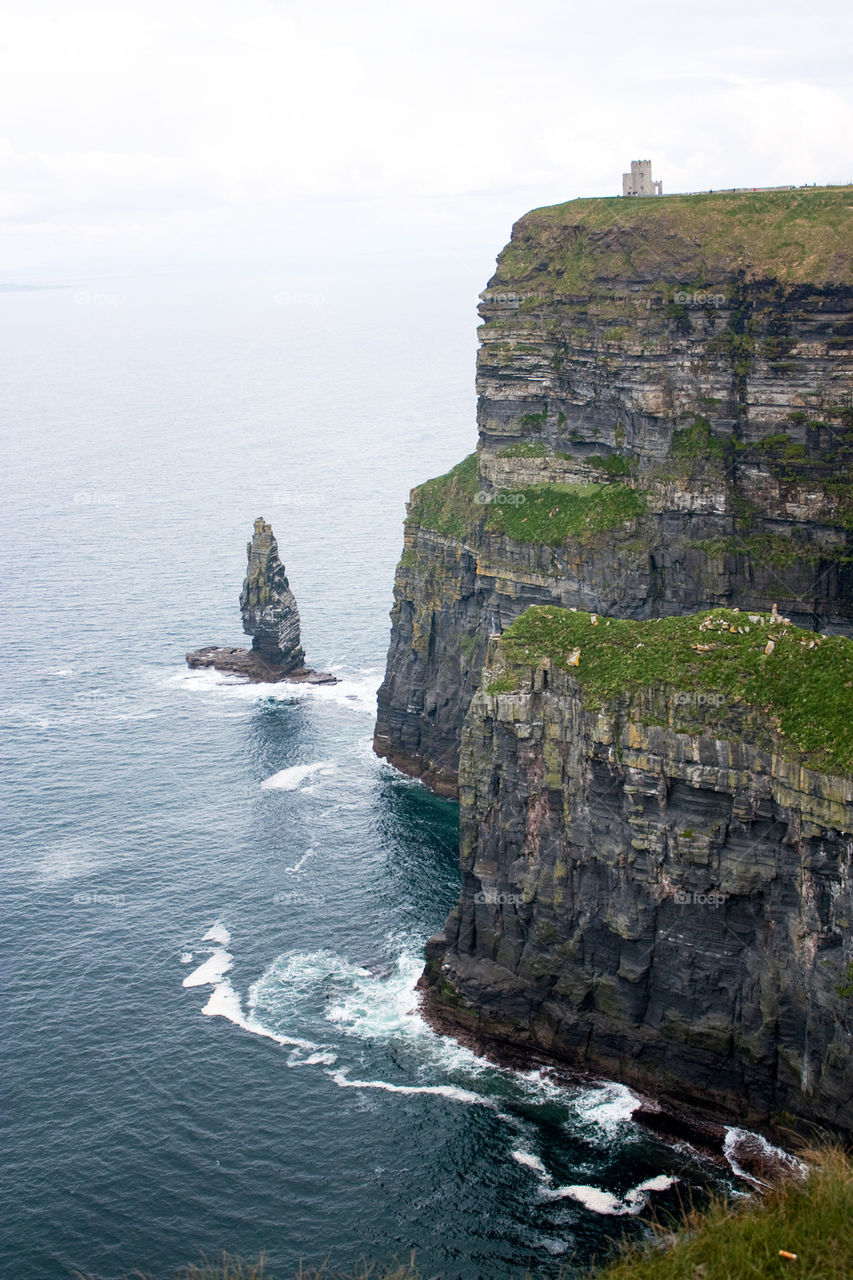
column 180, row 125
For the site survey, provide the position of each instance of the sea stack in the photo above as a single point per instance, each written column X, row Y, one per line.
column 270, row 617
column 268, row 606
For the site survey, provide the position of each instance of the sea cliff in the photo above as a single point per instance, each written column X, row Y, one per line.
column 636, row 596
column 665, row 422
column 656, row 844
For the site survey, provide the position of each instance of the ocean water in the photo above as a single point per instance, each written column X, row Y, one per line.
column 215, row 896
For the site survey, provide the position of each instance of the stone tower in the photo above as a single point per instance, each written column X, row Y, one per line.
column 639, row 181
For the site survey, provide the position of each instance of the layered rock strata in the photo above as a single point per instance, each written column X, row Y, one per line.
column 665, row 425
column 270, row 616
column 656, row 842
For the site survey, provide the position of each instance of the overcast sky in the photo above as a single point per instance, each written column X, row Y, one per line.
column 136, row 130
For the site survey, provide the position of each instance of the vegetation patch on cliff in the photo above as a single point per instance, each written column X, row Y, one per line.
column 555, row 513
column 447, row 504
column 801, row 681
column 550, row 514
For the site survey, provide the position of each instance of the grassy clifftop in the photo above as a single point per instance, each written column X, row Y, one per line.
column 800, row 236
column 800, row 682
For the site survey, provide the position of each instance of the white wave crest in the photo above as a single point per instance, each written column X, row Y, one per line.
column 355, row 693
column 291, row 779
column 529, row 1161
column 608, row 1106
column 225, row 1002
column 744, row 1141
column 452, row 1091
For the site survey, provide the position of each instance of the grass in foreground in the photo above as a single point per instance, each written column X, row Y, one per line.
column 812, row 1219
column 800, row 681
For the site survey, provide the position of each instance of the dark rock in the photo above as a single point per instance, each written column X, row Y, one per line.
column 724, row 411
column 250, row 664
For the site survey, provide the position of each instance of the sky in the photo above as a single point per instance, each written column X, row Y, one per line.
column 198, row 131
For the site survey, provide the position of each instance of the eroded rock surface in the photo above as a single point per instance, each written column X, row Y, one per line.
column 268, row 606
column 657, row 887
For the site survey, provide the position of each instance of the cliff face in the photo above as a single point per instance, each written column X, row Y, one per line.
column 666, row 425
column 657, row 855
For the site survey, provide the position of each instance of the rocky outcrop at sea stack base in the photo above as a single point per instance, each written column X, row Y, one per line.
column 270, row 617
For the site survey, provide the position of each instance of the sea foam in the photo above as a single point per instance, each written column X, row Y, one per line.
column 210, row 971
column 452, row 1091
column 605, row 1202
column 217, row 933
column 291, row 779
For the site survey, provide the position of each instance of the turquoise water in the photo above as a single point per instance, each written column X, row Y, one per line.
column 216, row 897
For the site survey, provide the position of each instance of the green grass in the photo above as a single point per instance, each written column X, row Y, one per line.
column 447, row 503
column 813, row 1219
column 615, row 464
column 697, row 441
column 804, row 695
column 772, row 549
column 794, row 236
column 549, row 514
column 537, row 450
column 553, row 514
